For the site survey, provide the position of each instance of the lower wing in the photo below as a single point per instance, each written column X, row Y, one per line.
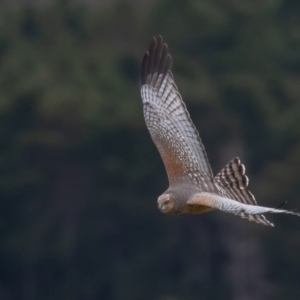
column 234, row 207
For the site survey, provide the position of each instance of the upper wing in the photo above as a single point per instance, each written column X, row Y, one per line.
column 167, row 119
column 234, row 182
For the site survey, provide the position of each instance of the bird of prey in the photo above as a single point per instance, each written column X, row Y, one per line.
column 192, row 186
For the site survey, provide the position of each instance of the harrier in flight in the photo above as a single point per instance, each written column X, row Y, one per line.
column 192, row 186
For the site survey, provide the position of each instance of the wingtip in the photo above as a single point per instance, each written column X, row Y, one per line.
column 169, row 62
column 282, row 204
column 156, row 60
column 153, row 43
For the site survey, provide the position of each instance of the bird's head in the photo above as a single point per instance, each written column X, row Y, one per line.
column 166, row 203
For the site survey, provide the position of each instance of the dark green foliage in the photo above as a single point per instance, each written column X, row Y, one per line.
column 79, row 174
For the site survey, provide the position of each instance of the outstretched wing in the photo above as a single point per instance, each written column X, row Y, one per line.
column 167, row 118
column 231, row 206
column 233, row 180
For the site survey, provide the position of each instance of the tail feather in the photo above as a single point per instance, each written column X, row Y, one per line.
column 233, row 175
column 234, row 182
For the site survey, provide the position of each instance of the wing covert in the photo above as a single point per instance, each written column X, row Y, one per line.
column 167, row 118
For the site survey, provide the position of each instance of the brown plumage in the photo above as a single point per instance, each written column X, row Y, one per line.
column 192, row 187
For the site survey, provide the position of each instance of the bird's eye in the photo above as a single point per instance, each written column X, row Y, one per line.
column 165, row 204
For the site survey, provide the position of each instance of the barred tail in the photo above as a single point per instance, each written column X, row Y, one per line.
column 233, row 180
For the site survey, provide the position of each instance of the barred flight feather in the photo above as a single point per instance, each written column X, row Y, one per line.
column 167, row 118
column 234, row 181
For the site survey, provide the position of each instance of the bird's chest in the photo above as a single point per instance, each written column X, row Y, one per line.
column 197, row 209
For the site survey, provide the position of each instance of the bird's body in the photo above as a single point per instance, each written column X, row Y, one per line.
column 192, row 186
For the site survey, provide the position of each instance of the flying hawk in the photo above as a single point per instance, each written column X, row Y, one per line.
column 192, row 186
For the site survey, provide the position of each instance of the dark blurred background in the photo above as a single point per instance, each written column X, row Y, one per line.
column 79, row 174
